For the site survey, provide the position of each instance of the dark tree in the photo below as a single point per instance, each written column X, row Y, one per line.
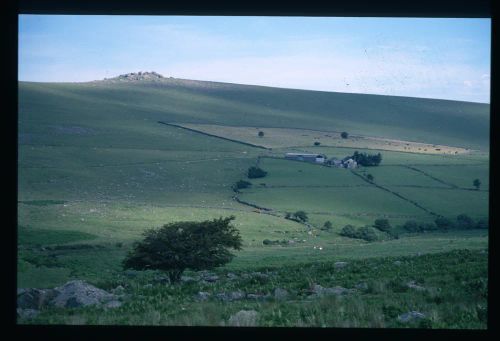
column 348, row 231
column 412, row 226
column 344, row 135
column 370, row 177
column 477, row 183
column 482, row 224
column 317, row 143
column 465, row 222
column 176, row 247
column 261, row 133
column 242, row 184
column 327, row 225
column 301, row 216
column 366, row 233
column 367, row 160
column 382, row 225
column 256, row 172
column 443, row 223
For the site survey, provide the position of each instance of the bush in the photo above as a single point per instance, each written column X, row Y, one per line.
column 178, row 246
column 242, row 184
column 261, row 133
column 465, row 222
column 256, row 172
column 317, row 143
column 301, row 216
column 344, row 135
column 476, row 183
column 365, row 233
column 327, row 225
column 382, row 225
column 443, row 223
column 417, row 227
column 348, row 231
column 482, row 224
column 412, row 226
column 367, row 160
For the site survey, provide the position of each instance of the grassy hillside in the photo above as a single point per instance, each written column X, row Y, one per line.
column 453, row 123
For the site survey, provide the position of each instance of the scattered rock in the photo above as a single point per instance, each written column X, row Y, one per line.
column 257, row 297
column 113, row 304
column 259, row 275
column 280, row 294
column 232, row 276
column 186, row 279
column 232, row 296
column 27, row 313
column 162, row 280
column 78, row 294
column 211, row 279
column 243, row 318
column 361, row 286
column 119, row 290
column 410, row 316
column 34, row 298
column 203, row 296
column 340, row 265
column 148, row 286
column 318, row 290
column 413, row 285
column 398, row 263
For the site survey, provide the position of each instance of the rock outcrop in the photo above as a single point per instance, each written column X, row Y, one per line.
column 73, row 294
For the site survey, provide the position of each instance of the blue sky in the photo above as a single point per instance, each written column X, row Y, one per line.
column 417, row 57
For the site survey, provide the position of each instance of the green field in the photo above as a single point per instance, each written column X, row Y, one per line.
column 96, row 169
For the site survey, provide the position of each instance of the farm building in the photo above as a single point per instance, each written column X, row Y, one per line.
column 315, row 158
column 350, row 163
column 345, row 163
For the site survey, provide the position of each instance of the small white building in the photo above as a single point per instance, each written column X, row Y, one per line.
column 350, row 163
column 315, row 158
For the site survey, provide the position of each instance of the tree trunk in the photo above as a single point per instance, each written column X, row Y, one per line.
column 175, row 275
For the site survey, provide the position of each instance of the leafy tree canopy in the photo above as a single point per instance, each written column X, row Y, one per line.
column 178, row 246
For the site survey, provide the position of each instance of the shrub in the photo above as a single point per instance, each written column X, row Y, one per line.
column 327, row 225
column 464, row 222
column 242, row 184
column 301, row 216
column 256, row 172
column 344, row 135
column 412, row 226
column 261, row 133
column 428, row 227
column 317, row 143
column 367, row 160
column 382, row 224
column 416, row 227
column 482, row 224
column 370, row 177
column 367, row 233
column 178, row 246
column 443, row 223
column 476, row 183
column 348, row 231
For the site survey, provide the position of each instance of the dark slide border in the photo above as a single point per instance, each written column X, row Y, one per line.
column 354, row 8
